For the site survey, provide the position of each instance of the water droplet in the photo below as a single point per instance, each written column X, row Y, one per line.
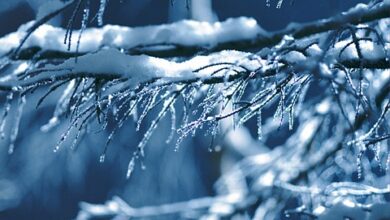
column 56, row 149
column 102, row 158
column 11, row 149
column 218, row 148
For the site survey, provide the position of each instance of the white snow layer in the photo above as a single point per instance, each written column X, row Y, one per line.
column 369, row 50
column 185, row 32
column 141, row 68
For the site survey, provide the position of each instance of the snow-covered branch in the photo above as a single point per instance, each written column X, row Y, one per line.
column 127, row 80
column 324, row 84
column 225, row 206
column 183, row 38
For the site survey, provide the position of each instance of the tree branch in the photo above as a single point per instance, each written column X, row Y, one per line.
column 357, row 15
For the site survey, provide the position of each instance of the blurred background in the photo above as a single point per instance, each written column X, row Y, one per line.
column 36, row 183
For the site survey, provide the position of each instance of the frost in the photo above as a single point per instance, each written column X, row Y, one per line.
column 130, row 167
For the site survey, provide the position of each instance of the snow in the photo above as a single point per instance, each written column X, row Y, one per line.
column 294, row 57
column 185, row 32
column 119, row 63
column 308, row 130
column 137, row 68
column 324, row 106
column 140, row 68
column 370, row 50
column 357, row 9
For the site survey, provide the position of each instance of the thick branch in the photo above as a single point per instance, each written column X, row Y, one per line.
column 368, row 64
column 298, row 31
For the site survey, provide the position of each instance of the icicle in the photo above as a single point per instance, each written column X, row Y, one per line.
column 377, row 151
column 15, row 130
column 279, row 5
column 359, row 165
column 173, row 124
column 292, row 108
column 279, row 113
column 102, row 8
column 84, row 22
column 102, row 158
column 143, row 166
column 178, row 142
column 5, row 113
column 291, row 119
column 259, row 125
column 130, row 168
